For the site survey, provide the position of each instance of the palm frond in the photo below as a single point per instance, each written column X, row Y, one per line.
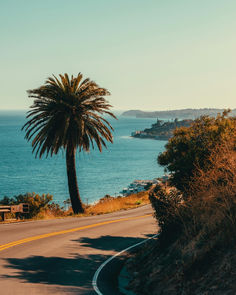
column 67, row 112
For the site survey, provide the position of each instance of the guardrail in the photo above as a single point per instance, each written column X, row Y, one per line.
column 20, row 208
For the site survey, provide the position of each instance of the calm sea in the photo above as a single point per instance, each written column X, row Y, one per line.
column 98, row 173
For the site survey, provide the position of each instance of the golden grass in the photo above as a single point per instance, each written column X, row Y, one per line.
column 103, row 206
column 195, row 251
column 108, row 205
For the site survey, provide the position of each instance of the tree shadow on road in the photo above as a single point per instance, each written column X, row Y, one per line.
column 75, row 271
column 115, row 243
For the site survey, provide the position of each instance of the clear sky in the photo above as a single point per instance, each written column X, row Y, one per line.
column 150, row 54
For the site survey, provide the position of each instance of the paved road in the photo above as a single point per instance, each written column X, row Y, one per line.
column 66, row 262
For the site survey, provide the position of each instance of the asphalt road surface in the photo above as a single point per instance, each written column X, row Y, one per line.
column 60, row 256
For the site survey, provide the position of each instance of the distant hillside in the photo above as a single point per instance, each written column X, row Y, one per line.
column 162, row 130
column 182, row 114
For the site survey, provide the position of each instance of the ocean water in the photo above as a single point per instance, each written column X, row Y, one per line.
column 124, row 161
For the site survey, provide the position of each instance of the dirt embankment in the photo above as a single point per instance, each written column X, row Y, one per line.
column 156, row 271
column 195, row 253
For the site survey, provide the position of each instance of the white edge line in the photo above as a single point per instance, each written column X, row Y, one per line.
column 95, row 277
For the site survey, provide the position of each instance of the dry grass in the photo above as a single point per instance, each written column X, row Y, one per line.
column 104, row 205
column 108, row 205
column 213, row 197
column 198, row 234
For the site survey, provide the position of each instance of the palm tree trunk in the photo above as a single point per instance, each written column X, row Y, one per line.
column 76, row 203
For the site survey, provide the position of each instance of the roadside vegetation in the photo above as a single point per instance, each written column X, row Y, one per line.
column 195, row 252
column 111, row 204
column 42, row 207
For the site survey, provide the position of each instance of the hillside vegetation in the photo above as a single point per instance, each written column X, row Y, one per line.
column 171, row 114
column 195, row 252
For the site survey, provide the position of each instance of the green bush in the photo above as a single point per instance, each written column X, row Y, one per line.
column 139, row 202
column 166, row 204
column 37, row 203
column 55, row 209
column 191, row 147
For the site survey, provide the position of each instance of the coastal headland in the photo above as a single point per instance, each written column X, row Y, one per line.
column 161, row 130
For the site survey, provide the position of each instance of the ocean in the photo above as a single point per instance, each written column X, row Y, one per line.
column 124, row 161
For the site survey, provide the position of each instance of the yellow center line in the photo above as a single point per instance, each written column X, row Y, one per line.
column 34, row 238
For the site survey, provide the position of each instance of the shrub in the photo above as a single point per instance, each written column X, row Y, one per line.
column 166, row 203
column 205, row 220
column 139, row 202
column 190, row 147
column 54, row 210
column 36, row 202
column 213, row 195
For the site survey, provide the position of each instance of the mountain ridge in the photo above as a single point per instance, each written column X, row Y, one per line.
column 188, row 113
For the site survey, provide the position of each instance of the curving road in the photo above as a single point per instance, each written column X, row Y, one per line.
column 60, row 256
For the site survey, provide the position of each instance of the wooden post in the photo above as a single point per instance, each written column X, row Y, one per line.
column 3, row 216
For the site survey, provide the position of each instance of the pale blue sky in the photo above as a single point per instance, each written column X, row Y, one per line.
column 152, row 54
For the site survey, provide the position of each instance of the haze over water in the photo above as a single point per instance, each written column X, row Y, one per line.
column 98, row 173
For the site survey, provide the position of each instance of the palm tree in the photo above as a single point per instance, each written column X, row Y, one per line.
column 67, row 113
